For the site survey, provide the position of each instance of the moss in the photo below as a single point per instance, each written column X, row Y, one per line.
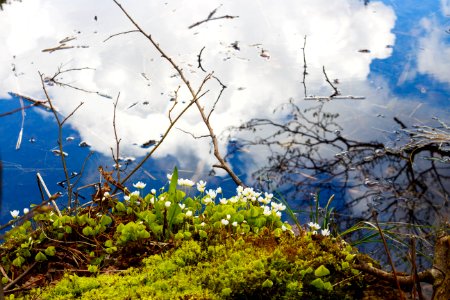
column 254, row 268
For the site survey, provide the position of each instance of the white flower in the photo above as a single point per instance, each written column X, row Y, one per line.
column 202, row 224
column 314, row 232
column 314, row 226
column 207, row 200
column 235, row 224
column 239, row 189
column 267, row 211
column 281, row 207
column 225, row 222
column 169, row 176
column 268, row 196
column 185, row 182
column 201, row 185
column 228, row 217
column 139, row 185
column 167, row 204
column 278, row 213
column 189, row 213
column 182, row 206
column 325, row 232
column 153, row 191
column 106, row 194
column 219, row 190
column 152, row 200
column 135, row 193
column 25, row 211
column 126, row 198
column 283, row 228
column 14, row 213
column 234, row 199
column 212, row 194
column 223, row 201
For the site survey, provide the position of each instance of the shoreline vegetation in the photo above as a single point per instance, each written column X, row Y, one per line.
column 170, row 244
column 187, row 241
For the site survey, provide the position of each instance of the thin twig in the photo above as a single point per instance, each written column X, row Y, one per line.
column 199, row 60
column 211, row 18
column 116, row 157
column 71, row 114
column 42, row 182
column 18, row 109
column 218, row 97
column 386, row 248
column 336, row 92
column 116, row 34
column 305, row 72
column 60, row 126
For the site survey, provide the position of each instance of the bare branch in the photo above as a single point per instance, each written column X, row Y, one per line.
column 336, row 92
column 116, row 157
column 71, row 114
column 305, row 72
column 218, row 97
column 199, row 59
column 191, row 134
column 210, row 18
column 60, row 125
column 116, row 34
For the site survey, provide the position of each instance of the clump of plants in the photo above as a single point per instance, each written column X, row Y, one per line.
column 169, row 245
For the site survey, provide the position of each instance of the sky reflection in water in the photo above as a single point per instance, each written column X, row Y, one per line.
column 392, row 53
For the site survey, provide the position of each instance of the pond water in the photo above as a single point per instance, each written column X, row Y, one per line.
column 306, row 96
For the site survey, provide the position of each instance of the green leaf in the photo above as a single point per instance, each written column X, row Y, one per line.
column 40, row 257
column 318, row 283
column 173, row 181
column 92, row 269
column 120, row 207
column 105, row 220
column 68, row 229
column 260, row 222
column 187, row 235
column 18, row 262
column 327, row 285
column 345, row 265
column 202, row 234
column 267, row 283
column 321, row 271
column 109, row 243
column 88, row 231
column 277, row 232
column 50, row 251
column 350, row 257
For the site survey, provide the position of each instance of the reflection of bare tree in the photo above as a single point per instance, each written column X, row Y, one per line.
column 307, row 152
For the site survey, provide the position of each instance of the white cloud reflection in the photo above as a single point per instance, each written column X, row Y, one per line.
column 435, row 48
column 335, row 31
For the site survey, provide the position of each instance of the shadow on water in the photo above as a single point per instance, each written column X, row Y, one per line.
column 405, row 182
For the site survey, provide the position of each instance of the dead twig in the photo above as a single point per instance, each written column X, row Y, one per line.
column 212, row 18
column 116, row 156
column 42, row 183
column 199, row 60
column 305, row 72
column 116, row 34
column 336, row 92
column 60, row 133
